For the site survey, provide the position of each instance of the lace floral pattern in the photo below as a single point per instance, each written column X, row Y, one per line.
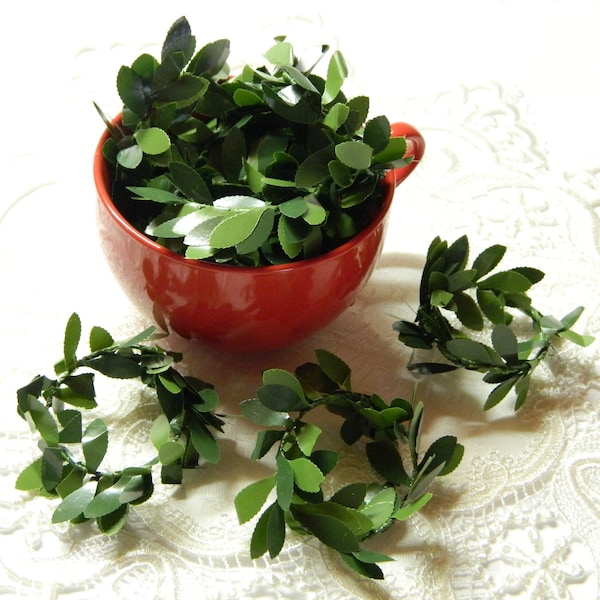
column 520, row 518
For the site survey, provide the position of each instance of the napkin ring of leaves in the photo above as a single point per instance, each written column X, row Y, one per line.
column 358, row 510
column 476, row 297
column 72, row 452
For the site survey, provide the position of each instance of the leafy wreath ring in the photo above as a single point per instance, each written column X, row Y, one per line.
column 71, row 454
column 183, row 434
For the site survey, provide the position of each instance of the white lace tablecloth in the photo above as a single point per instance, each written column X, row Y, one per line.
column 506, row 95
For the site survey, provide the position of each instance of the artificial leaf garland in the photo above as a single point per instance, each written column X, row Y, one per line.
column 477, row 296
column 358, row 510
column 272, row 165
column 72, row 451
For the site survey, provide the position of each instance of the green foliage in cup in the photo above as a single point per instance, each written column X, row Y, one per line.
column 271, row 165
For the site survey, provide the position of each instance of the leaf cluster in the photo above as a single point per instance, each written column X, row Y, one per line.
column 358, row 510
column 272, row 165
column 478, row 296
column 73, row 450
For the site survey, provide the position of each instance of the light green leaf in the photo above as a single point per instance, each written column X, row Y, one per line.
column 152, row 140
column 100, row 339
column 251, row 499
column 30, row 477
column 307, row 438
column 235, row 229
column 307, row 475
column 282, row 54
column 71, row 340
column 204, row 442
column 285, row 482
column 160, row 431
column 254, row 410
column 73, row 505
column 380, row 507
column 336, row 116
column 408, row 510
column 130, row 157
column 337, row 72
column 354, row 154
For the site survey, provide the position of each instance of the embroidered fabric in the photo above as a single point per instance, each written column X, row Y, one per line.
column 519, row 518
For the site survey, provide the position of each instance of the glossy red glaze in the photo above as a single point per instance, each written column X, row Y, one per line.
column 242, row 309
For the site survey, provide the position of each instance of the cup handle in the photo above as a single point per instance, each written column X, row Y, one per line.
column 415, row 147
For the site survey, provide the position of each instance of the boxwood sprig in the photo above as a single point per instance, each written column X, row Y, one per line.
column 359, row 509
column 72, row 451
column 478, row 298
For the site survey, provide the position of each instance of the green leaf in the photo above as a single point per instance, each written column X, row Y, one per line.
column 156, row 195
column 71, row 431
column 380, row 507
column 107, row 501
column 52, row 468
column 314, row 168
column 116, row 366
column 132, row 91
column 336, row 116
column 94, row 444
column 130, row 157
column 30, row 477
column 43, row 421
column 190, row 182
column 329, row 530
column 362, row 567
column 408, row 510
column 183, row 91
column 337, row 71
column 491, row 306
column 265, row 440
column 334, row 367
column 488, row 259
column 377, row 133
column 251, row 499
column 235, row 229
column 505, row 343
column 73, row 505
column 444, row 451
column 160, row 431
column 211, row 59
column 307, row 437
column 506, row 281
column 100, row 339
column 385, row 459
column 275, row 531
column 474, row 352
column 254, row 410
column 152, row 140
column 576, row 338
column 351, row 495
column 354, row 154
column 258, row 541
column 204, row 442
column 113, row 522
column 71, row 340
column 281, row 398
column 468, row 312
column 307, row 475
column 285, row 482
column 170, row 452
column 281, row 54
column 499, row 393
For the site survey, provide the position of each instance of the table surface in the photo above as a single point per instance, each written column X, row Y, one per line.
column 506, row 94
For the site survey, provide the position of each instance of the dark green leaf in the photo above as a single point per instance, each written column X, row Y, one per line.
column 190, row 182
column 265, row 440
column 179, row 38
column 114, row 365
column 211, row 59
column 506, row 344
column 354, row 154
column 377, row 133
column 275, row 531
column 71, row 431
column 334, row 367
column 52, row 468
column 132, row 91
column 491, row 306
column 474, row 352
column 281, row 398
column 385, row 459
column 329, row 530
column 113, row 522
column 488, row 259
column 364, row 568
column 352, row 495
column 325, row 460
column 499, row 393
column 285, row 482
column 468, row 312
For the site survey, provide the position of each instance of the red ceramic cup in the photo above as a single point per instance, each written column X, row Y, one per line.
column 242, row 309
